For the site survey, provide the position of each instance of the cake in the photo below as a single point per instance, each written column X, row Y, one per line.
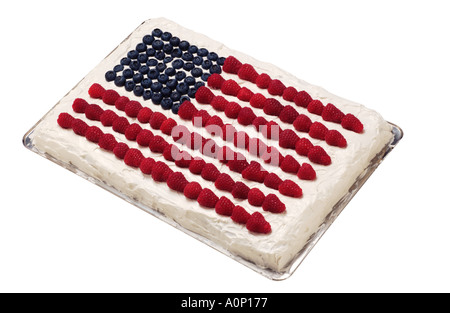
column 234, row 150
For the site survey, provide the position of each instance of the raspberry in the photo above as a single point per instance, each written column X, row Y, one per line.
column 352, row 123
column 245, row 94
column 120, row 124
column 200, row 118
column 306, row 172
column 215, row 81
column 230, row 87
column 302, row 123
column 93, row 134
column 133, row 157
column 289, row 94
column 228, row 132
column 161, row 171
column 120, row 150
column 272, row 181
column 224, row 206
column 121, row 103
column 143, row 138
column 144, row 115
column 219, row 103
column 187, row 110
column 302, row 99
column 335, row 138
column 258, row 122
column 204, row 95
column 157, row 144
column 272, row 156
column 241, row 140
column 108, row 117
column 181, row 134
column 257, row 224
column 93, row 112
column 110, row 96
column 79, row 127
column 315, row 107
column 192, row 190
column 271, row 130
column 65, row 120
column 332, row 114
column 157, row 119
column 210, row 172
column 232, row 110
column 196, row 141
column 256, row 147
column 225, row 154
column 147, row 165
column 167, row 126
column 288, row 139
column 273, row 204
column 231, row 65
column 254, row 172
column 258, row 100
column 290, row 189
column 288, row 114
column 132, row 108
column 170, row 152
column 256, row 197
column 183, row 159
column 224, row 182
column 247, row 72
column 79, row 105
column 263, row 81
column 207, row 198
column 132, row 131
column 276, row 87
column 209, row 148
column 240, row 191
column 237, row 166
column 272, row 107
column 290, row 165
column 214, row 125
column 318, row 131
column 246, row 116
column 318, row 155
column 176, row 181
column 96, row 91
column 303, row 146
column 107, row 142
column 196, row 166
column 240, row 215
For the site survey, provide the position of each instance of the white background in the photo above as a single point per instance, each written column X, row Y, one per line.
column 60, row 233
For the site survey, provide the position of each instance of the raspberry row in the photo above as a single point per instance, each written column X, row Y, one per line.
column 161, row 172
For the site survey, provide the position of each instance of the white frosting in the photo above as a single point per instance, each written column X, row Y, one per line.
column 290, row 230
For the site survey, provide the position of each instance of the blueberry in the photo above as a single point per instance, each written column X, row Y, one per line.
column 119, row 81
column 212, row 56
column 196, row 72
column 129, row 85
column 177, row 64
column 202, row 52
column 193, row 49
column 168, row 48
column 146, row 83
column 176, row 53
column 166, row 103
column 135, row 65
column 163, row 78
column 158, row 44
column 175, row 96
column 133, row 54
column 221, row 61
column 160, row 55
column 215, row 69
column 166, row 36
column 141, row 47
column 110, row 76
column 197, row 60
column 153, row 74
column 167, row 59
column 172, row 84
column 161, row 67
column 125, row 61
column 182, row 88
column 199, row 84
column 148, row 39
column 184, row 45
column 166, row 91
column 138, row 90
column 187, row 56
column 180, row 75
column 128, row 73
column 157, row 98
column 175, row 107
column 151, row 52
column 191, row 92
column 206, row 64
column 190, row 81
column 170, row 71
column 147, row 94
column 157, row 32
column 152, row 62
column 184, row 98
column 174, row 41
column 142, row 58
column 118, row 68
column 156, row 87
column 188, row 66
column 137, row 78
column 205, row 76
column 144, row 69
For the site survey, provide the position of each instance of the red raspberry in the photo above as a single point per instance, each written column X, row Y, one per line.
column 144, row 137
column 288, row 114
column 209, row 148
column 335, row 138
column 306, row 172
column 230, row 87
column 167, row 126
column 121, row 103
column 258, row 100
column 132, row 108
column 272, row 107
column 132, row 131
column 256, row 147
column 65, row 120
column 241, row 140
column 79, row 105
column 96, row 91
column 288, row 139
column 272, row 156
column 254, row 172
column 171, row 152
column 271, row 130
column 290, row 165
column 258, row 224
column 196, row 166
column 246, row 116
column 258, row 122
column 214, row 125
column 256, row 197
column 232, row 110
column 224, row 182
column 215, row 81
column 240, row 215
column 303, row 146
column 302, row 123
column 183, row 159
column 187, row 110
column 157, row 144
column 93, row 112
column 161, row 171
column 272, row 181
column 263, row 81
column 120, row 124
column 231, row 65
column 352, row 123
column 110, row 96
column 79, row 127
column 204, row 95
column 133, row 157
column 181, row 134
column 318, row 155
column 93, row 134
column 207, row 198
column 273, row 204
column 228, row 132
column 196, row 141
column 302, row 99
column 107, row 142
column 224, row 154
column 120, row 150
column 276, row 87
column 289, row 94
column 315, row 107
column 176, row 181
column 318, row 131
column 247, row 72
column 200, row 118
column 192, row 190
column 210, row 172
column 219, row 103
column 144, row 115
column 240, row 191
column 245, row 94
column 290, row 189
column 224, row 206
column 147, row 166
column 157, row 119
column 237, row 166
column 108, row 117
column 332, row 114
